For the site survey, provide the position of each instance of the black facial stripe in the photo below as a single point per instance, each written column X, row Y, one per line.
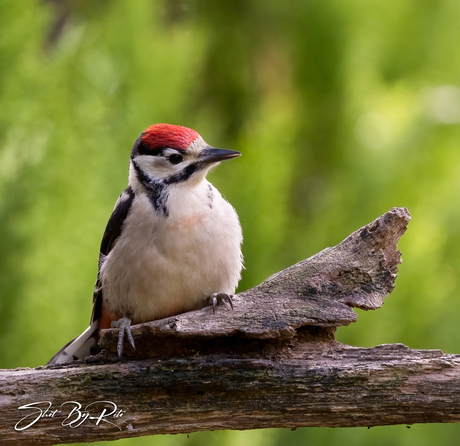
column 159, row 199
column 183, row 175
column 157, row 192
column 156, row 188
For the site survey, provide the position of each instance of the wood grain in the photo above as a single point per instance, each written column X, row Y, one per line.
column 271, row 362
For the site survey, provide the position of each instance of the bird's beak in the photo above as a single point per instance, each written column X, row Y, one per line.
column 211, row 155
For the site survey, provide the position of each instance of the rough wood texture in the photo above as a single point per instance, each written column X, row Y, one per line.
column 272, row 362
column 319, row 291
column 325, row 384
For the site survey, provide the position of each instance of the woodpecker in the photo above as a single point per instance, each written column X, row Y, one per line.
column 172, row 243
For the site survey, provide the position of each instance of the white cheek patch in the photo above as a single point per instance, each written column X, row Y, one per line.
column 157, row 166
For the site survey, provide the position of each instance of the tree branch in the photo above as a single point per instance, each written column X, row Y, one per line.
column 272, row 362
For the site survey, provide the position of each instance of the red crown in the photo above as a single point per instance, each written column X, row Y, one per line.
column 159, row 136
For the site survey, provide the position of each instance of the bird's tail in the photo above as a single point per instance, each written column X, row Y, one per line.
column 81, row 347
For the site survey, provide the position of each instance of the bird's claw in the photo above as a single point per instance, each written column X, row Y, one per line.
column 216, row 298
column 124, row 324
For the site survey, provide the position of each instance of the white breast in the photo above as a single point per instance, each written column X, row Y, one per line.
column 164, row 265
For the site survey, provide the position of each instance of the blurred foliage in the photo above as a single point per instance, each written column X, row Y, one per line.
column 342, row 110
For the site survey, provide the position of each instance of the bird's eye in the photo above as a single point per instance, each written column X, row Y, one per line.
column 175, row 158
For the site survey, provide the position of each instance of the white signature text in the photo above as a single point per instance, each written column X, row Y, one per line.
column 74, row 415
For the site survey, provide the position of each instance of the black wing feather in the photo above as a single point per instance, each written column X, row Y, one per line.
column 111, row 234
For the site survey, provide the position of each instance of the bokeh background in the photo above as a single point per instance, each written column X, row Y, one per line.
column 342, row 109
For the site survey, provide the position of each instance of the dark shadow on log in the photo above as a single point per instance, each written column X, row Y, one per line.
column 272, row 362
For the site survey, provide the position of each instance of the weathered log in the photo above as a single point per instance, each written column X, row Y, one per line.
column 319, row 291
column 272, row 362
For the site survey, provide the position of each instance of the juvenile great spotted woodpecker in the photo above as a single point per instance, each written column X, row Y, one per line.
column 172, row 244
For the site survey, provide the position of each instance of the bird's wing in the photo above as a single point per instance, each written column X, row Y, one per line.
column 86, row 344
column 111, row 235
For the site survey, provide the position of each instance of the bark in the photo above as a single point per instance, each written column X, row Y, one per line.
column 271, row 362
column 319, row 291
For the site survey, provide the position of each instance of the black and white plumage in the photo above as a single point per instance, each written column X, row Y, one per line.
column 172, row 244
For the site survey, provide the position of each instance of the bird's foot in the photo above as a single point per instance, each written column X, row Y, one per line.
column 216, row 298
column 124, row 324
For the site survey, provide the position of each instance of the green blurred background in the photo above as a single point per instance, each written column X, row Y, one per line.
column 342, row 109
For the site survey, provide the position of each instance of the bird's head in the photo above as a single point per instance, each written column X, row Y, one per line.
column 174, row 154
